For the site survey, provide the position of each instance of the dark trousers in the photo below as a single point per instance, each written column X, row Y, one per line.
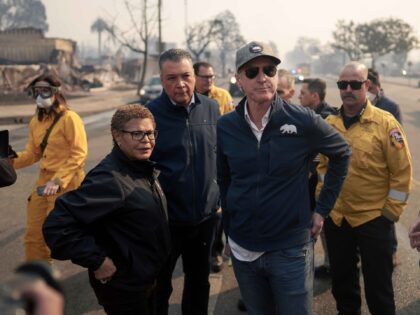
column 118, row 302
column 372, row 241
column 193, row 244
column 218, row 245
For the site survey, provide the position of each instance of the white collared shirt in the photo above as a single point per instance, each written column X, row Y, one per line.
column 257, row 132
column 189, row 105
column 238, row 251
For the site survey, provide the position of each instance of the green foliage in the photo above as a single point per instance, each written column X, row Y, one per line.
column 345, row 39
column 23, row 13
column 374, row 39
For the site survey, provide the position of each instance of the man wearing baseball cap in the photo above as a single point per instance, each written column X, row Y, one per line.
column 264, row 147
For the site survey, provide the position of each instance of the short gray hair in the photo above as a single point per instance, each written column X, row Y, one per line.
column 174, row 55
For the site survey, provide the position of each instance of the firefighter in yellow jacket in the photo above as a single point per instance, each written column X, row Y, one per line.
column 373, row 197
column 204, row 84
column 61, row 156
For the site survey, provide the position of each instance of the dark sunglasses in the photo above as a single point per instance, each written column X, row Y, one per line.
column 269, row 71
column 355, row 85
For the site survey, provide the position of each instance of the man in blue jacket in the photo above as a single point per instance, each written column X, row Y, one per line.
column 264, row 149
column 377, row 96
column 185, row 153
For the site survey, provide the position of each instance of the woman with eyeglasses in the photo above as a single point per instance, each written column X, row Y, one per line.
column 115, row 224
column 57, row 140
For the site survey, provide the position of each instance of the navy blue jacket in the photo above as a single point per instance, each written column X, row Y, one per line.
column 185, row 153
column 264, row 186
column 390, row 106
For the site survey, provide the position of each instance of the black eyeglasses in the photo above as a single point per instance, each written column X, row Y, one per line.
column 139, row 135
column 44, row 92
column 355, row 85
column 269, row 71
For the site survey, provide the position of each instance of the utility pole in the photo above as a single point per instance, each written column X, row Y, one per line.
column 160, row 26
column 186, row 15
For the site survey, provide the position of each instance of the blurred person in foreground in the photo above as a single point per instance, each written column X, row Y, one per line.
column 312, row 95
column 263, row 149
column 115, row 224
column 374, row 195
column 185, row 154
column 57, row 140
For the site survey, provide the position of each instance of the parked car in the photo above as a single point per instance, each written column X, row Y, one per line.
column 234, row 89
column 151, row 90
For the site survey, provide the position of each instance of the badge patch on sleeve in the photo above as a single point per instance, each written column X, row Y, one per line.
column 397, row 139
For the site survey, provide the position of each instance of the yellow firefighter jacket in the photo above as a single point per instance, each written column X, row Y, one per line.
column 223, row 98
column 379, row 175
column 65, row 152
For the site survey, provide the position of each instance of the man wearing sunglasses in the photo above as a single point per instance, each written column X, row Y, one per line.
column 373, row 197
column 263, row 149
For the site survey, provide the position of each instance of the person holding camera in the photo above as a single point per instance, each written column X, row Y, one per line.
column 57, row 140
column 7, row 173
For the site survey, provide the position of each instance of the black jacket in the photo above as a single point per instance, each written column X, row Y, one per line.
column 185, row 154
column 119, row 211
column 7, row 173
column 325, row 110
column 388, row 105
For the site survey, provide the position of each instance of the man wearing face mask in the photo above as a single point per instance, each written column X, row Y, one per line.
column 57, row 140
column 377, row 96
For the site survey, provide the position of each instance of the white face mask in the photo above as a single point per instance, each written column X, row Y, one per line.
column 371, row 97
column 43, row 102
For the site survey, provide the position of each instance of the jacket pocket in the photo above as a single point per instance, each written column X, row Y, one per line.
column 361, row 154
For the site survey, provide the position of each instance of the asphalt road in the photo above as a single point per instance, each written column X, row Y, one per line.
column 224, row 291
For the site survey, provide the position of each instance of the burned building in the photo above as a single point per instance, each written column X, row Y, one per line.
column 26, row 53
column 29, row 46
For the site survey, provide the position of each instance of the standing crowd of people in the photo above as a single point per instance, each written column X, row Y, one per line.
column 192, row 176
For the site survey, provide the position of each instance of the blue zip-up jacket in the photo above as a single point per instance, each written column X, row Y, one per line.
column 388, row 105
column 185, row 154
column 264, row 186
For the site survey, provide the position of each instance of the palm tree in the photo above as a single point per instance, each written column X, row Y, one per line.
column 99, row 26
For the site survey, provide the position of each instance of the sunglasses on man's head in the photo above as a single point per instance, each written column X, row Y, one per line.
column 355, row 85
column 269, row 71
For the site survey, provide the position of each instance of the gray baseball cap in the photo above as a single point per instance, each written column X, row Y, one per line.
column 253, row 50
